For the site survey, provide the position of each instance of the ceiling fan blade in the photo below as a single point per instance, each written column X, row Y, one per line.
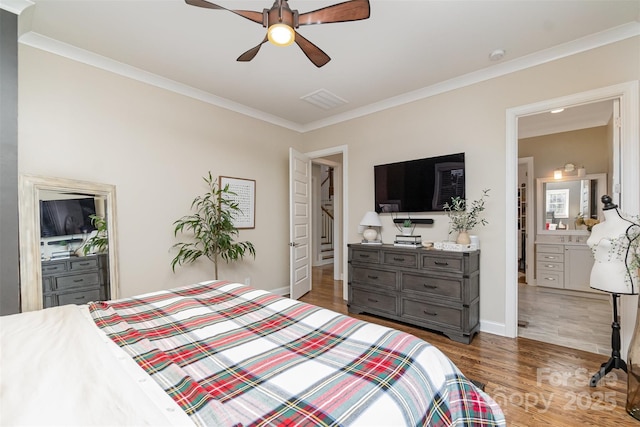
column 313, row 52
column 251, row 53
column 354, row 10
column 249, row 14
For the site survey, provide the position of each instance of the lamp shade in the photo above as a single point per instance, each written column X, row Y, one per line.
column 371, row 219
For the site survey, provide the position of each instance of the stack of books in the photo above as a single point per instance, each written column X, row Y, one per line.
column 408, row 241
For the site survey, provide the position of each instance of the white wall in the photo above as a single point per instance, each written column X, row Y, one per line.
column 78, row 122
column 470, row 119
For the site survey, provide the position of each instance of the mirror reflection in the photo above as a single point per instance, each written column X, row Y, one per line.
column 570, row 204
column 68, row 242
column 73, row 248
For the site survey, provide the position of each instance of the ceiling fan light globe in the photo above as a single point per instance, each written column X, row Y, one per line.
column 281, row 35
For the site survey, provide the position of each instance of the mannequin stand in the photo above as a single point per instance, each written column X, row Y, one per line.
column 614, row 362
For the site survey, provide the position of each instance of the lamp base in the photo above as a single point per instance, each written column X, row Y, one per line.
column 370, row 234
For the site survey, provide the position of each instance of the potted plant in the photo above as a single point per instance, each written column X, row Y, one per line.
column 100, row 241
column 212, row 229
column 464, row 217
column 407, row 227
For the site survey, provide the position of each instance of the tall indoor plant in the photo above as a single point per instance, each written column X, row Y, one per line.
column 212, row 229
column 99, row 242
column 464, row 217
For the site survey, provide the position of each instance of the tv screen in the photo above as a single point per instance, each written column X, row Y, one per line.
column 66, row 217
column 422, row 185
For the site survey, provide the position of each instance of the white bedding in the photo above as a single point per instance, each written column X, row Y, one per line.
column 114, row 390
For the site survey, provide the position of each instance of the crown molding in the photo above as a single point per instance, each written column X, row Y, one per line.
column 583, row 44
column 592, row 41
column 66, row 50
column 15, row 6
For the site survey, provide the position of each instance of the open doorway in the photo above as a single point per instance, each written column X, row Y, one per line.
column 626, row 178
column 562, row 154
column 335, row 159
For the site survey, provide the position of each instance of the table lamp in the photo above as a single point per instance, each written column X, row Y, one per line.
column 370, row 220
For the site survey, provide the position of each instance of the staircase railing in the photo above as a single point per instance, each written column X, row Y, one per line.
column 327, row 228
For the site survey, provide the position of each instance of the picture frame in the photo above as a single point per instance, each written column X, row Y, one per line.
column 245, row 197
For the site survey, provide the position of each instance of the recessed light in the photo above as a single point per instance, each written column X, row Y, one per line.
column 497, row 55
column 557, row 110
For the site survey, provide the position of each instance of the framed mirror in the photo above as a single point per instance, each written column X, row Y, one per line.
column 559, row 203
column 37, row 189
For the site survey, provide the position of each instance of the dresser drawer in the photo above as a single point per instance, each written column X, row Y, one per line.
column 372, row 276
column 432, row 286
column 543, row 256
column 53, row 268
column 423, row 311
column 362, row 255
column 82, row 297
column 550, row 265
column 433, row 263
column 77, row 280
column 400, row 259
column 84, row 264
column 550, row 278
column 547, row 248
column 373, row 300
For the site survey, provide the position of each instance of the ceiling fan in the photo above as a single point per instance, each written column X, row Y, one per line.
column 281, row 23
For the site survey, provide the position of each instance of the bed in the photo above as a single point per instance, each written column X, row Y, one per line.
column 220, row 353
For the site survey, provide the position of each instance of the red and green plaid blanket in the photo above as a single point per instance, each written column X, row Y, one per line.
column 233, row 355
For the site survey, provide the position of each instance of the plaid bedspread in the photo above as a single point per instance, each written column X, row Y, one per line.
column 232, row 355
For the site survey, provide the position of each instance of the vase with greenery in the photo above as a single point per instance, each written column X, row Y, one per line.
column 99, row 242
column 407, row 227
column 211, row 228
column 464, row 216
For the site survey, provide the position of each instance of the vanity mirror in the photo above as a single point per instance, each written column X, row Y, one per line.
column 559, row 202
column 36, row 191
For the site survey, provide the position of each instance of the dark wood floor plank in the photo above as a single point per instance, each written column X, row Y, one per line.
column 535, row 383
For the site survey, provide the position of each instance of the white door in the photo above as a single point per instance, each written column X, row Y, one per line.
column 299, row 224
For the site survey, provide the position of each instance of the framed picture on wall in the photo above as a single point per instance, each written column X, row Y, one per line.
column 245, row 196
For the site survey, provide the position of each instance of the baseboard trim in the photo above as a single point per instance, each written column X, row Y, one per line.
column 493, row 328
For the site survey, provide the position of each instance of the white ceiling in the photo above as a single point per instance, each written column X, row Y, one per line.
column 406, row 50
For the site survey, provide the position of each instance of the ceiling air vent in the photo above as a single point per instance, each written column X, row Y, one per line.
column 324, row 99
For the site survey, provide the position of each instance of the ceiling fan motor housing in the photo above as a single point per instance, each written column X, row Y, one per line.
column 280, row 13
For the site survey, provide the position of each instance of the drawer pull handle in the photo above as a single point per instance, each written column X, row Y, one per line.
column 430, row 286
column 441, row 263
column 79, row 298
column 364, row 256
column 84, row 263
column 429, row 313
column 372, row 300
column 550, row 266
column 78, row 280
column 551, row 279
column 398, row 259
column 373, row 277
column 550, row 257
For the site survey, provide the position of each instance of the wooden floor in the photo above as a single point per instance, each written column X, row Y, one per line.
column 536, row 384
column 579, row 320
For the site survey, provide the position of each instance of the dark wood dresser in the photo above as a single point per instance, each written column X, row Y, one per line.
column 437, row 290
column 75, row 280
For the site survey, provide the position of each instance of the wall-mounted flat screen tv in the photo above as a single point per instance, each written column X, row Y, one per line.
column 66, row 217
column 422, row 185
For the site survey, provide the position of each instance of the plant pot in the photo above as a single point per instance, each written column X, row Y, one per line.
column 463, row 238
column 407, row 231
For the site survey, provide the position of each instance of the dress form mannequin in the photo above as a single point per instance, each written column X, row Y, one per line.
column 609, row 242
column 610, row 272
